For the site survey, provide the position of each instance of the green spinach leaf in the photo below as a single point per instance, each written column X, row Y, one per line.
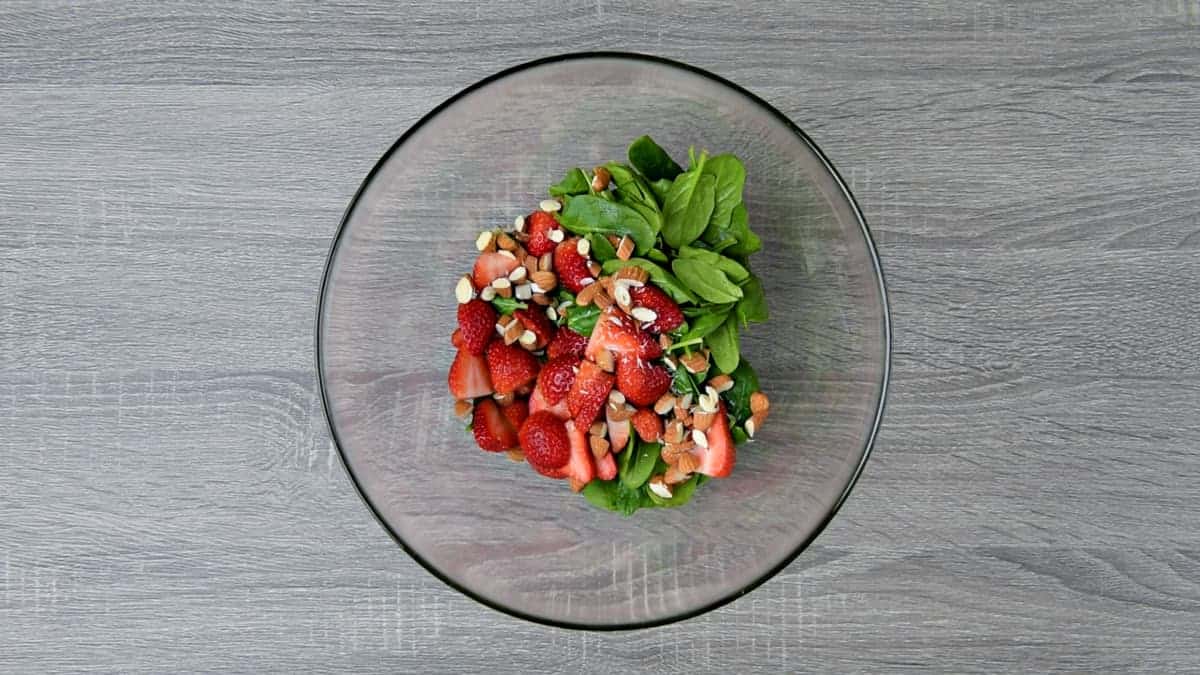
column 706, row 281
column 659, row 276
column 633, row 191
column 582, row 320
column 723, row 342
column 507, row 305
column 680, row 494
column 689, row 206
column 574, row 183
column 612, row 495
column 753, row 305
column 658, row 256
column 682, row 382
column 745, row 383
column 660, row 188
column 703, row 325
column 586, row 214
column 602, row 249
column 637, row 464
column 747, row 241
column 654, row 162
column 730, row 177
column 729, row 266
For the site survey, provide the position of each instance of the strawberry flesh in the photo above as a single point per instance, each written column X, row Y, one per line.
column 491, row 266
column 567, row 342
column 581, row 467
column 537, row 401
column 668, row 316
column 492, row 430
column 718, row 458
column 606, row 467
column 544, row 441
column 572, row 268
column 556, row 378
column 534, row 319
column 476, row 325
column 469, row 377
column 510, row 366
column 588, row 393
column 642, row 382
column 619, row 333
column 618, row 431
column 538, row 225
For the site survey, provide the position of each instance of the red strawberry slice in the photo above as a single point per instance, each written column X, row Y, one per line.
column 581, row 467
column 588, row 393
column 717, row 459
column 476, row 325
column 606, row 467
column 492, row 429
column 510, row 366
column 538, row 402
column 567, row 342
column 469, row 377
column 642, row 382
column 556, row 378
column 491, row 266
column 571, row 267
column 538, row 225
column 535, row 319
column 544, row 441
column 668, row 316
column 648, row 424
column 618, row 431
column 516, row 413
column 456, row 339
column 619, row 333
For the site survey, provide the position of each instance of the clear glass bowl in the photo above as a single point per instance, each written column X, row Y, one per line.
column 495, row 530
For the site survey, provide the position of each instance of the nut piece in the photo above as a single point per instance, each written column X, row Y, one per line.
column 487, row 294
column 634, row 274
column 518, row 274
column 485, row 241
column 524, row 291
column 586, row 294
column 687, row 463
column 513, row 331
column 576, row 484
column 549, row 205
column 515, row 455
column 700, row 438
column 664, row 341
column 759, row 402
column 508, row 254
column 643, row 314
column 583, row 246
column 703, row 420
column 674, row 475
column 671, row 453
column 504, row 399
column 544, row 280
column 605, row 360
column 506, row 242
column 615, row 396
column 541, row 299
column 598, row 429
column 519, row 224
column 462, row 408
column 664, row 404
column 601, row 179
column 528, row 339
column 625, row 248
column 620, row 412
column 546, row 262
column 673, row 432
column 556, row 235
column 621, row 295
column 721, row 383
column 464, row 290
column 599, row 446
column 755, row 423
column 602, row 300
column 552, row 314
column 594, row 268
column 658, row 486
column 696, row 362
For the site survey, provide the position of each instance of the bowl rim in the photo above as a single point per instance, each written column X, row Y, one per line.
column 884, row 382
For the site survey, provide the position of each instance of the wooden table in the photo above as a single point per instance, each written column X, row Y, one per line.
column 171, row 174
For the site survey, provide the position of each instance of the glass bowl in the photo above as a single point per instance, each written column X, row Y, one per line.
column 495, row 530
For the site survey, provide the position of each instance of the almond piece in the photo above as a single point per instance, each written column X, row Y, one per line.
column 508, row 254
column 506, row 242
column 605, row 360
column 664, row 341
column 464, row 290
column 721, row 383
column 633, row 274
column 546, row 263
column 504, row 399
column 552, row 314
column 658, row 486
column 601, row 299
column 600, row 179
column 487, row 294
column 594, row 268
column 687, row 463
column 513, row 331
column 599, row 446
column 674, row 475
column 700, row 438
column 759, row 402
column 541, row 299
column 754, row 424
column 664, row 404
column 696, row 362
column 586, row 294
column 528, row 339
column 506, row 292
column 549, row 205
column 703, row 420
column 621, row 295
column 598, row 429
column 583, row 246
column 615, row 396
column 621, row 413
column 544, row 280
column 625, row 248
column 462, row 408
column 673, row 433
column 519, row 224
column 643, row 314
column 485, row 242
column 556, row 235
column 671, row 453
column 576, row 484
column 524, row 291
column 515, row 455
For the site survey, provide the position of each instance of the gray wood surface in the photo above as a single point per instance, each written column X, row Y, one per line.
column 171, row 174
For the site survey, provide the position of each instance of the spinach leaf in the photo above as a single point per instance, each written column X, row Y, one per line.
column 682, row 383
column 612, row 495
column 703, row 325
column 718, row 238
column 729, row 266
column 724, row 345
column 658, row 256
column 637, row 464
column 729, row 177
column 633, row 191
column 753, row 305
column 602, row 249
column 574, row 183
column 680, row 494
column 582, row 319
column 745, row 382
column 660, row 188
column 706, row 281
column 654, row 162
column 739, row 435
column 586, row 214
column 507, row 305
column 688, row 207
column 661, row 278
column 747, row 241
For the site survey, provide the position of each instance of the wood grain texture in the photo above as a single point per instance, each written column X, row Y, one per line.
column 170, row 176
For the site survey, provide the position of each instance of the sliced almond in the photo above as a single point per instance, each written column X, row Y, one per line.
column 707, row 402
column 696, row 362
column 675, row 475
column 524, row 291
column 600, row 179
column 754, row 424
column 552, row 314
column 602, row 299
column 721, row 383
column 759, row 402
column 700, row 438
column 664, row 341
column 658, row 486
column 599, row 446
column 518, row 274
column 508, row 254
column 531, row 265
column 605, row 360
column 542, row 299
column 462, row 408
column 504, row 399
column 670, row 363
column 625, row 248
column 686, row 464
column 528, row 338
column 546, row 262
column 506, row 242
column 485, row 241
column 506, row 292
column 621, row 412
column 515, row 455
column 487, row 294
column 586, row 294
column 513, row 332
column 549, row 205
column 670, row 453
column 621, row 295
column 555, row 235
column 643, row 314
column 686, row 400
column 583, row 246
column 615, row 396
column 664, row 404
column 464, row 290
column 545, row 280
column 703, row 420
column 519, row 224
column 598, row 429
column 594, row 268
column 633, row 273
column 576, row 484
column 673, row 433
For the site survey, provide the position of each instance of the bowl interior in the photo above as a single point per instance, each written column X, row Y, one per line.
column 494, row 529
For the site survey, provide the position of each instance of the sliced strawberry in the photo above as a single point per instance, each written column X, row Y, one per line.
column 588, row 393
column 567, row 342
column 456, row 339
column 618, row 431
column 572, row 268
column 491, row 266
column 538, row 225
column 492, row 429
column 668, row 316
column 538, row 402
column 606, row 467
column 469, row 377
column 544, row 441
column 516, row 413
column 642, row 382
column 717, row 459
column 476, row 325
column 510, row 366
column 535, row 319
column 581, row 467
column 556, row 378
column 619, row 333
column 648, row 424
